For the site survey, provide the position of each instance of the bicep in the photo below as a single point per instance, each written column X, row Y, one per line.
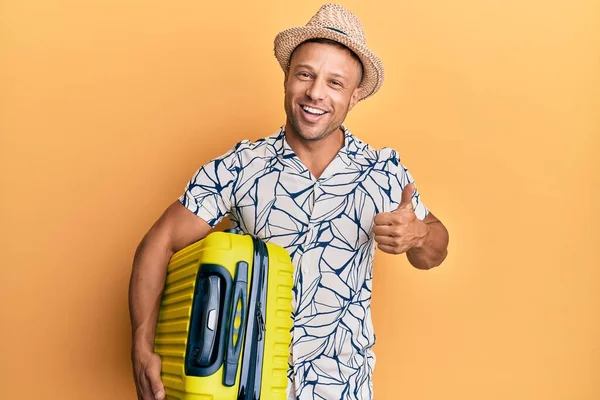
column 180, row 227
column 431, row 219
column 441, row 232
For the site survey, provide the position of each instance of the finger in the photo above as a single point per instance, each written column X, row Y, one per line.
column 407, row 194
column 385, row 240
column 398, row 224
column 383, row 230
column 382, row 219
column 143, row 385
column 142, row 388
column 391, row 249
column 153, row 374
column 138, row 391
column 387, row 248
column 136, row 380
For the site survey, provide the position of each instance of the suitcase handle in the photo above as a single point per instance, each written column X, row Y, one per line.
column 234, row 345
column 204, row 348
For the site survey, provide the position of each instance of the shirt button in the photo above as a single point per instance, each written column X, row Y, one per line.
column 305, row 270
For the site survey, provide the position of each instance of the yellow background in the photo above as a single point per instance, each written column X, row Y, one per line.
column 108, row 107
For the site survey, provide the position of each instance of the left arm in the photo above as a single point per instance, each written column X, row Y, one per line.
column 425, row 242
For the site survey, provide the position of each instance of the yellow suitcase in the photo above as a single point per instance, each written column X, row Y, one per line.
column 224, row 324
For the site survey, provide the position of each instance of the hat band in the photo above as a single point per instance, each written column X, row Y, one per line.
column 336, row 30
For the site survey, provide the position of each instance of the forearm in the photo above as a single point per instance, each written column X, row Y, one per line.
column 433, row 249
column 146, row 288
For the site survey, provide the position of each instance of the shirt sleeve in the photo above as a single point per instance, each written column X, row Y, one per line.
column 209, row 192
column 401, row 178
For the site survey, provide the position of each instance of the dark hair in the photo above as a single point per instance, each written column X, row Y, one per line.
column 338, row 44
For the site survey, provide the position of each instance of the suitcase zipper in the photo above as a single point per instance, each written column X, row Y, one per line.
column 251, row 374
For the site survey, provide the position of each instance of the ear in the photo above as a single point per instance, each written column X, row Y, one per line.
column 355, row 97
column 285, row 78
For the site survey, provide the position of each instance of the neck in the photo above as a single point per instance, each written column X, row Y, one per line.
column 316, row 155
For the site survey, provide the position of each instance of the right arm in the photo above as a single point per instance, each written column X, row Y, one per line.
column 206, row 200
column 174, row 230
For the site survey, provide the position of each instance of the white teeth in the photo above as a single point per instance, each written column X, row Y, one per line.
column 313, row 110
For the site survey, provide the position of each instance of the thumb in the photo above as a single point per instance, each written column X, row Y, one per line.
column 153, row 374
column 407, row 193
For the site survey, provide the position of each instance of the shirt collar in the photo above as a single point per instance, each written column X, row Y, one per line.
column 349, row 156
column 350, row 148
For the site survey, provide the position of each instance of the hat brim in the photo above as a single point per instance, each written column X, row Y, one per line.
column 287, row 40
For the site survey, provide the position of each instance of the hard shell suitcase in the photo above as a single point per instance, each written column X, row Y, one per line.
column 224, row 324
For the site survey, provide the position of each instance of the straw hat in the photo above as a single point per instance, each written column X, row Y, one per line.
column 337, row 23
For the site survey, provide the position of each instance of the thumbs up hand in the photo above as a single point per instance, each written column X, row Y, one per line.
column 398, row 231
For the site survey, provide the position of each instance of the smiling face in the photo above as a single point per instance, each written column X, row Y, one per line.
column 321, row 86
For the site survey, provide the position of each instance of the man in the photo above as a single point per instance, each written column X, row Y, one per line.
column 315, row 189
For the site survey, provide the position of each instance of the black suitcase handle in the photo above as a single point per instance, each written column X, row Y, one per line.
column 210, row 313
column 203, row 338
column 211, row 288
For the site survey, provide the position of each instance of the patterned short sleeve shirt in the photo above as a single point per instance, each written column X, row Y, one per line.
column 326, row 225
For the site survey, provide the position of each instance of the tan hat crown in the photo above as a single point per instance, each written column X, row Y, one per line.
column 333, row 16
column 337, row 23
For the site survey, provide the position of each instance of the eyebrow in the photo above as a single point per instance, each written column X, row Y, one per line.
column 333, row 74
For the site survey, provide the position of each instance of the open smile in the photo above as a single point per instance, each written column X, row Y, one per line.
column 312, row 114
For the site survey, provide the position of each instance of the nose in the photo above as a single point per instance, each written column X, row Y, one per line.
column 316, row 90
